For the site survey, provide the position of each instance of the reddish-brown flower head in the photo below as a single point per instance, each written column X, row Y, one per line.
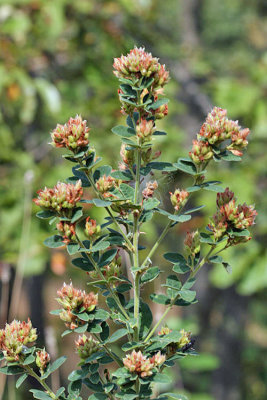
column 145, row 130
column 62, row 198
column 67, row 230
column 105, row 184
column 86, row 346
column 230, row 216
column 179, row 198
column 192, row 242
column 14, row 337
column 72, row 299
column 138, row 63
column 42, row 360
column 140, row 364
column 92, row 230
column 74, row 135
column 201, row 152
column 150, row 189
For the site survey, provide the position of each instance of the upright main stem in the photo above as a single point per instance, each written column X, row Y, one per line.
column 135, row 245
column 31, row 372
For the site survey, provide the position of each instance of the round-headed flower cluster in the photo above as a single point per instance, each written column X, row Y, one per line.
column 75, row 300
column 67, row 229
column 218, row 129
column 15, row 337
column 179, row 198
column 62, row 198
column 105, row 184
column 142, row 365
column 86, row 346
column 92, row 230
column 42, row 360
column 74, row 135
column 230, row 216
column 137, row 64
column 192, row 242
column 149, row 190
column 145, row 130
column 165, row 330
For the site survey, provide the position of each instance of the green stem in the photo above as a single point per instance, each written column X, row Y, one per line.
column 192, row 274
column 136, row 253
column 98, row 270
column 31, row 372
column 108, row 209
column 113, row 356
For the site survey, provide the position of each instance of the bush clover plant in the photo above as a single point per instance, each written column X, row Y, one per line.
column 128, row 198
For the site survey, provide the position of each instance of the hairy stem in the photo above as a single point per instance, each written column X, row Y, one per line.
column 114, row 296
column 191, row 275
column 31, row 372
column 136, row 253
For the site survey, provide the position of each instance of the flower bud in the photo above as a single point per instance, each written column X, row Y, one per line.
column 179, row 198
column 92, row 230
column 161, row 111
column 185, row 339
column 158, row 359
column 42, row 360
column 127, row 156
column 86, row 346
column 192, row 242
column 105, row 184
column 14, row 337
column 138, row 363
column 74, row 135
column 148, row 192
column 67, row 229
column 61, row 199
column 224, row 198
column 72, row 299
column 145, row 130
column 165, row 330
column 201, row 152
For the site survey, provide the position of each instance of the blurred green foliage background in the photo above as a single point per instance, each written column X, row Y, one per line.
column 55, row 62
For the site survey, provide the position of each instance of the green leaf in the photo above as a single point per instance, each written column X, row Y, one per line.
column 161, row 166
column 127, row 191
column 54, row 241
column 174, row 285
column 176, row 396
column 123, row 175
column 161, row 378
column 76, row 375
column 216, row 259
column 54, row 366
column 77, row 215
column 191, row 189
column 230, row 157
column 73, row 248
column 12, row 370
column 101, row 203
column 159, row 133
column 45, row 214
column 180, row 218
column 149, row 204
column 175, row 258
column 21, row 380
column 123, row 131
column 181, row 268
column 29, row 360
column 195, row 209
column 130, row 346
column 158, row 103
column 160, row 298
column 239, row 233
column 150, row 275
column 187, row 295
column 206, row 238
column 121, row 373
column 82, row 263
column 60, row 391
column 103, row 245
column 107, row 257
column 227, row 267
column 186, row 165
column 38, row 394
column 95, row 356
column 214, row 188
column 101, row 314
column 117, row 335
